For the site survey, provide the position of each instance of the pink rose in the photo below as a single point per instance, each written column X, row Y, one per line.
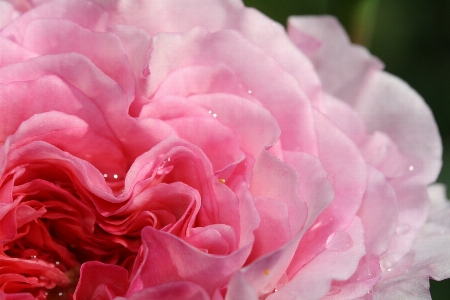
column 195, row 150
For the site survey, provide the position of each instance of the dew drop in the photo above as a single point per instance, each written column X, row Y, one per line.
column 249, row 91
column 402, row 229
column 105, row 175
column 212, row 114
column 411, row 168
column 116, row 176
column 386, row 264
column 164, row 168
column 222, row 180
column 339, row 241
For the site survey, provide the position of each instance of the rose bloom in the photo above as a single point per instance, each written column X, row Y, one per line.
column 164, row 149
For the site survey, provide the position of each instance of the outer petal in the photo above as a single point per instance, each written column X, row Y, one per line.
column 389, row 105
column 216, row 15
column 84, row 13
column 343, row 68
column 411, row 288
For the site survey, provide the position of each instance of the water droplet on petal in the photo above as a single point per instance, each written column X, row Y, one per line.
column 222, row 180
column 402, row 229
column 249, row 91
column 164, row 168
column 339, row 241
column 212, row 114
column 386, row 263
column 411, row 168
column 105, row 175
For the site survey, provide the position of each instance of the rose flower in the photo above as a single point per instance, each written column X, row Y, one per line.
column 163, row 149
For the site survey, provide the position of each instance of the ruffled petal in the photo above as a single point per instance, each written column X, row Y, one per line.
column 157, row 265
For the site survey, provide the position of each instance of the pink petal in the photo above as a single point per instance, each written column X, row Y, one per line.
column 12, row 52
column 254, row 126
column 344, row 117
column 84, row 13
column 72, row 68
column 240, row 288
column 276, row 180
column 95, row 275
column 64, row 36
column 217, row 141
column 195, row 80
column 73, row 135
column 174, row 290
column 389, row 105
column 315, row 187
column 7, row 14
column 165, row 258
column 360, row 284
column 338, row 262
column 411, row 288
column 283, row 98
column 136, row 45
column 273, row 231
column 381, row 152
column 335, row 55
column 379, row 203
column 267, row 273
column 171, row 16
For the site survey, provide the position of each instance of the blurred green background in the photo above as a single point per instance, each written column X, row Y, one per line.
column 412, row 38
